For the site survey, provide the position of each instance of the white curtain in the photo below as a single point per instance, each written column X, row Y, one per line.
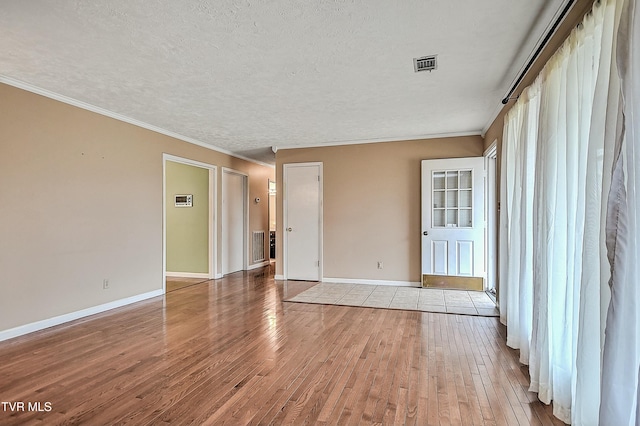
column 516, row 219
column 552, row 248
column 621, row 365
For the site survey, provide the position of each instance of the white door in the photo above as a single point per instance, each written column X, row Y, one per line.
column 453, row 217
column 303, row 221
column 233, row 221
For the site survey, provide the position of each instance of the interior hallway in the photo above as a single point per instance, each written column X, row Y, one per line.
column 231, row 350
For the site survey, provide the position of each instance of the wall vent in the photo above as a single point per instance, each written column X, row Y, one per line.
column 426, row 63
column 257, row 248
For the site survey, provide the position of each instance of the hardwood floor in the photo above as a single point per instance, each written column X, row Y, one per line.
column 231, row 351
column 176, row 283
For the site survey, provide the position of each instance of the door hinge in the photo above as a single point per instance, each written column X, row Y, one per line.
column 318, row 263
column 318, row 178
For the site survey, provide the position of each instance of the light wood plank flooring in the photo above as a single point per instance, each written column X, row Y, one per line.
column 176, row 283
column 231, row 351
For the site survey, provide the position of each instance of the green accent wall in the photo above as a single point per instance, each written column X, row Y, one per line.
column 187, row 227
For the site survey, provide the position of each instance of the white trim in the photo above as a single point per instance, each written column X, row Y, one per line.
column 371, row 282
column 61, row 319
column 188, row 275
column 278, row 277
column 213, row 203
column 164, row 224
column 492, row 150
column 491, row 216
column 237, row 172
column 320, row 166
column 183, row 160
column 321, row 227
column 258, row 265
column 213, row 220
column 217, row 276
column 380, row 140
column 245, row 231
column 98, row 110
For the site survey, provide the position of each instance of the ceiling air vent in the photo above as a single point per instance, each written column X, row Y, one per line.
column 426, row 63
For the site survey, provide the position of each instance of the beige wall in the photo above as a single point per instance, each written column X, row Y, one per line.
column 372, row 204
column 65, row 221
column 187, row 228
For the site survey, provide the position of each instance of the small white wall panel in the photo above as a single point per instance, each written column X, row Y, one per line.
column 465, row 258
column 440, row 257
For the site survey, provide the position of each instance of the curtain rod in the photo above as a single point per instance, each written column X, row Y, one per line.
column 542, row 45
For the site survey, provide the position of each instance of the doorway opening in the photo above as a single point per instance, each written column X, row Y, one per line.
column 272, row 221
column 188, row 216
column 235, row 220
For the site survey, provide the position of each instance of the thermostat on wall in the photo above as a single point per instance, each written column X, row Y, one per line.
column 184, row 200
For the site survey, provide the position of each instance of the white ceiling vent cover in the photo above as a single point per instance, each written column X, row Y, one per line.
column 426, row 63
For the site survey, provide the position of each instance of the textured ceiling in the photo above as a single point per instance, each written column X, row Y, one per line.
column 248, row 75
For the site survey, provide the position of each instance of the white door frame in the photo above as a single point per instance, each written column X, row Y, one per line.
column 286, row 219
column 245, row 214
column 213, row 202
column 272, row 205
column 491, row 215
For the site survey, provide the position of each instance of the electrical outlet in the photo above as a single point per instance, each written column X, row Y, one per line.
column 105, row 284
column 380, row 264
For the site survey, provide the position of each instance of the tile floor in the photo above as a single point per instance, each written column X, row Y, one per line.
column 407, row 298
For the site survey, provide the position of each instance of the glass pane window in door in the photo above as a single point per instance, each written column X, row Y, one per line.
column 465, row 198
column 465, row 179
column 465, row 218
column 452, row 179
column 438, row 199
column 438, row 180
column 452, row 218
column 452, row 198
column 439, row 218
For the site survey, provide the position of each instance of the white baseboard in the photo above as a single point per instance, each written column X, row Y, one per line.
column 50, row 322
column 258, row 265
column 279, row 277
column 372, row 282
column 217, row 276
column 203, row 275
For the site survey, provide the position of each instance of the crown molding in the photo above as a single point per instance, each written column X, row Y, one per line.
column 98, row 110
column 381, row 140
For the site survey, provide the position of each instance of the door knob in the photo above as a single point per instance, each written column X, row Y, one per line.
column 289, row 229
column 425, row 233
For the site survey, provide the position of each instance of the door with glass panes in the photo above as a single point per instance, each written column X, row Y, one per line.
column 453, row 224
